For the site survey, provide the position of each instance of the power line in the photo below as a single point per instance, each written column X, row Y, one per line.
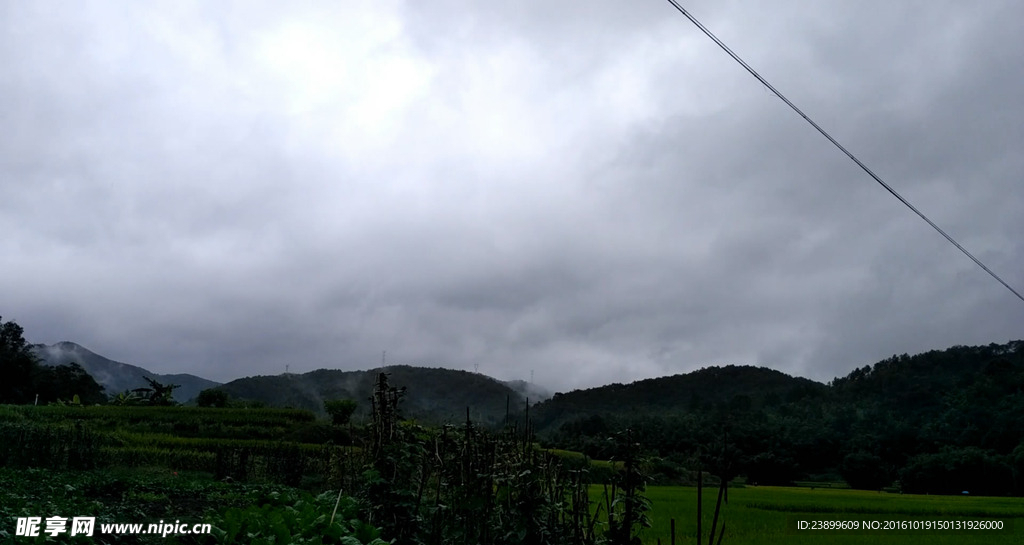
column 838, row 145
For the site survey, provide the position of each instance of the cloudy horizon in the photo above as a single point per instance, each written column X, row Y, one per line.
column 591, row 192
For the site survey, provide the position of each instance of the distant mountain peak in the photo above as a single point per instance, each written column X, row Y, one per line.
column 116, row 376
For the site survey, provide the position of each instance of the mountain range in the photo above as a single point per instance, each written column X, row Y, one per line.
column 941, row 421
column 913, row 385
column 114, row 376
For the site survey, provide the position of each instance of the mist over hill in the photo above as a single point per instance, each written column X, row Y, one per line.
column 532, row 392
column 942, row 421
column 432, row 394
column 115, row 376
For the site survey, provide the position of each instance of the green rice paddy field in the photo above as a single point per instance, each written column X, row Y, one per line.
column 767, row 515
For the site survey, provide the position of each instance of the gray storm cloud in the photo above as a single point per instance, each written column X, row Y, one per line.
column 589, row 191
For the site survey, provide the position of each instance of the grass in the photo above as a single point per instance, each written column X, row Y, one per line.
column 767, row 515
column 180, row 439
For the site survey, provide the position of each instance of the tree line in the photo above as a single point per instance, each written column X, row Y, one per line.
column 941, row 422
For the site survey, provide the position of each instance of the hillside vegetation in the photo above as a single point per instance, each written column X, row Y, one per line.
column 941, row 422
column 945, row 421
column 732, row 387
column 433, row 395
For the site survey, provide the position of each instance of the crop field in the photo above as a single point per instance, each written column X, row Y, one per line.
column 240, row 513
column 248, row 472
column 766, row 515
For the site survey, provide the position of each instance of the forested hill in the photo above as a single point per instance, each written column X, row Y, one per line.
column 964, row 395
column 914, row 386
column 921, row 383
column 434, row 395
column 942, row 421
column 738, row 386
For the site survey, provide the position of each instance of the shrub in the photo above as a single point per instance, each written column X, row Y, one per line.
column 955, row 470
column 864, row 471
column 212, row 397
column 340, row 410
column 771, row 469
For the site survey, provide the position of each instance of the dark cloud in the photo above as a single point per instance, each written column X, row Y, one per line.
column 591, row 192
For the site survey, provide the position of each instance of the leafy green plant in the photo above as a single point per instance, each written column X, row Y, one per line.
column 293, row 517
column 466, row 484
column 625, row 502
column 340, row 410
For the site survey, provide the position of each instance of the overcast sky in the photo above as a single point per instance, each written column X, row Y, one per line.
column 591, row 191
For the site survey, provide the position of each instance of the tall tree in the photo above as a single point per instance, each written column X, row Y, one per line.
column 158, row 394
column 64, row 382
column 17, row 364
